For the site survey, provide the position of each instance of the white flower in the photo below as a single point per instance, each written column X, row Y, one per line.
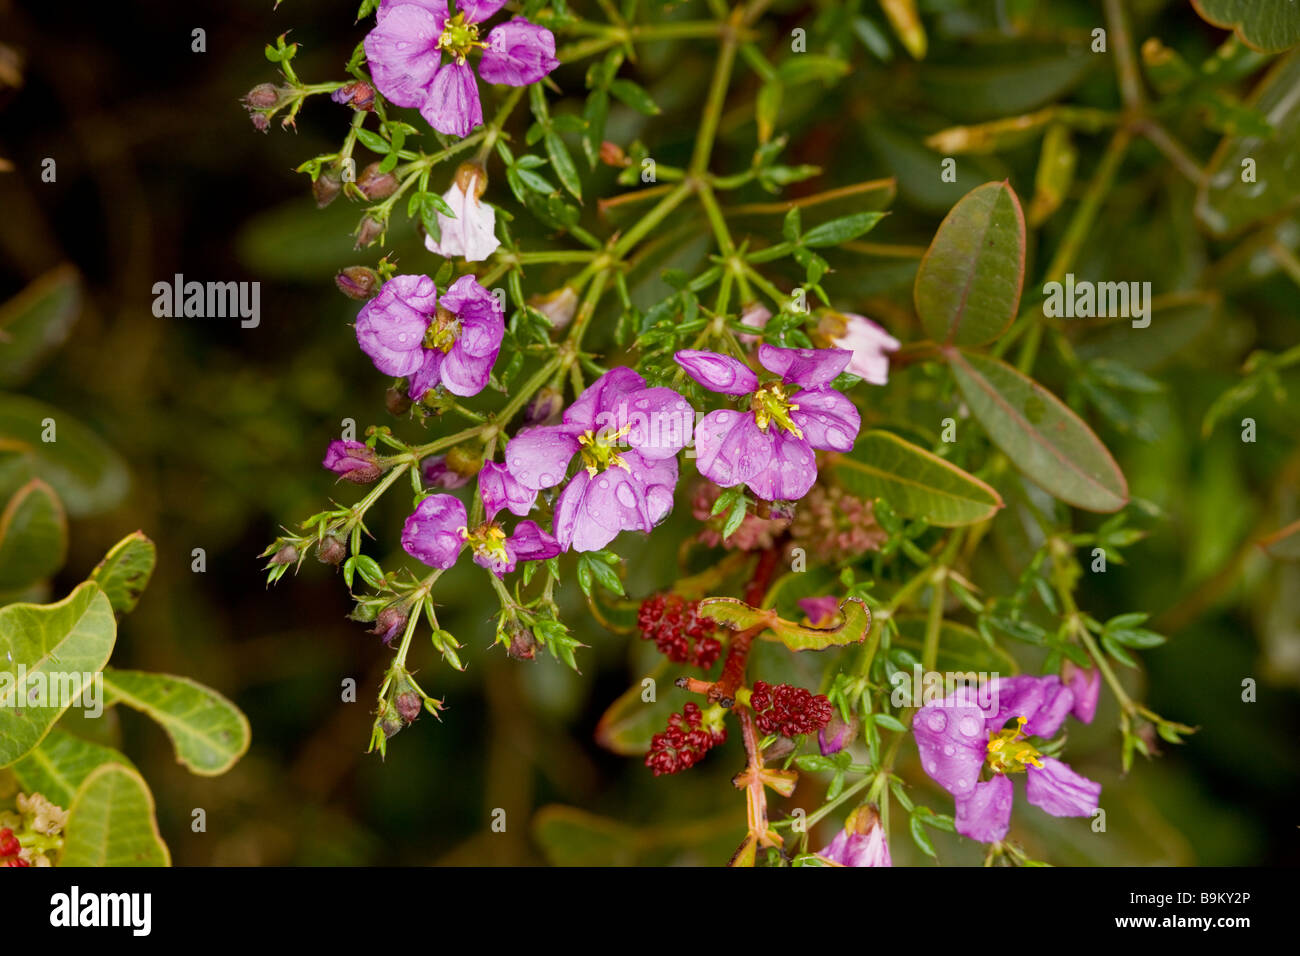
column 871, row 346
column 472, row 234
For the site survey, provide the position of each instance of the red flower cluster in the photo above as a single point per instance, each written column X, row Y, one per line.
column 683, row 744
column 677, row 629
column 9, row 849
column 788, row 710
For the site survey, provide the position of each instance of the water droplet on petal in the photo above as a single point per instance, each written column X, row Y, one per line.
column 969, row 726
column 937, row 722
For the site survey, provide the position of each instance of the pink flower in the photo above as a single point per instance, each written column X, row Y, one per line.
column 472, row 234
column 861, row 842
column 870, row 344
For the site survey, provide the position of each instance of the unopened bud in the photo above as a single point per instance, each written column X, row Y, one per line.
column 546, row 404
column 471, row 179
column 353, row 461
column 368, row 232
column 358, row 282
column 390, row 620
column 408, row 706
column 558, row 306
column 437, row 473
column 397, row 402
column 286, row 555
column 264, row 96
column 358, row 94
column 466, row 460
column 260, row 122
column 326, row 187
column 374, row 184
column 331, row 550
column 523, row 646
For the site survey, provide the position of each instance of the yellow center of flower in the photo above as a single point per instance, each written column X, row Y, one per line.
column 598, row 450
column 487, row 539
column 771, row 404
column 442, row 332
column 1007, row 753
column 459, row 37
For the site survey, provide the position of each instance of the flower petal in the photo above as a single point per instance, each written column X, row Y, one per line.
column 471, row 234
column 432, row 533
column 437, row 7
column 499, row 489
column 731, row 447
column 1060, row 791
column 539, row 457
column 790, row 473
column 573, row 528
column 602, row 395
column 985, row 815
column 391, row 326
column 806, row 367
column 1085, row 684
column 453, row 106
column 476, row 11
column 659, row 479
column 531, row 543
column 717, row 373
column 951, row 741
column 428, row 375
column 616, row 501
column 659, row 421
column 402, row 51
column 871, row 346
column 1042, row 701
column 827, row 419
column 518, row 53
column 464, row 374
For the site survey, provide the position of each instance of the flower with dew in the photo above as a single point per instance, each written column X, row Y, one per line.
column 861, row 842
column 405, row 52
column 870, row 344
column 770, row 446
column 959, row 742
column 471, row 234
column 614, row 489
column 352, row 460
column 438, row 528
column 453, row 342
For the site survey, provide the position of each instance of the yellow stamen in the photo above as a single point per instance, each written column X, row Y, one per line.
column 1008, row 753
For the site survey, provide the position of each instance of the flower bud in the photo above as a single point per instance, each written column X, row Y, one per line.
column 861, row 842
column 264, row 96
column 408, row 706
column 545, row 405
column 390, row 620
column 331, row 550
column 437, row 473
column 558, row 306
column 352, row 460
column 368, row 232
column 326, row 187
column 397, row 402
column 358, row 282
column 358, row 94
column 611, row 154
column 523, row 646
column 374, row 184
column 836, row 735
column 286, row 555
column 471, row 179
column 466, row 460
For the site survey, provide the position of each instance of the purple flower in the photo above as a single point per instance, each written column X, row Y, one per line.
column 615, row 490
column 950, row 736
column 821, row 611
column 1085, row 684
column 352, row 460
column 439, row 527
column 861, row 842
column 836, row 735
column 405, row 53
column 770, row 446
column 407, row 332
column 437, row 473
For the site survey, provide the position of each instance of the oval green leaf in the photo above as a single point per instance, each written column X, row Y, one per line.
column 125, row 571
column 968, row 286
column 58, row 645
column 37, row 321
column 33, row 536
column 111, row 822
column 1264, row 25
column 57, row 768
column 915, row 482
column 207, row 730
column 87, row 475
column 1039, row 433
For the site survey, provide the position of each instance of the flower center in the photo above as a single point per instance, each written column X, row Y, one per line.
column 442, row 332
column 1009, row 754
column 488, row 540
column 598, row 450
column 771, row 404
column 459, row 37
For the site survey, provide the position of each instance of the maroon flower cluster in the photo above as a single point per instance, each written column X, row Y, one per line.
column 677, row 629
column 788, row 710
column 9, row 849
column 684, row 743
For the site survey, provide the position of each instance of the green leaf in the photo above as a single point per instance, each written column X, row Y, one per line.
column 915, row 482
column 1039, row 433
column 33, row 536
column 572, row 837
column 58, row 644
column 57, row 768
column 920, row 837
column 843, row 229
column 736, row 614
column 37, row 321
column 968, row 285
column 208, row 731
column 373, row 141
column 125, row 571
column 1226, row 204
column 111, row 822
column 1263, row 25
column 87, row 475
column 630, row 721
column 562, row 163
column 634, row 96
